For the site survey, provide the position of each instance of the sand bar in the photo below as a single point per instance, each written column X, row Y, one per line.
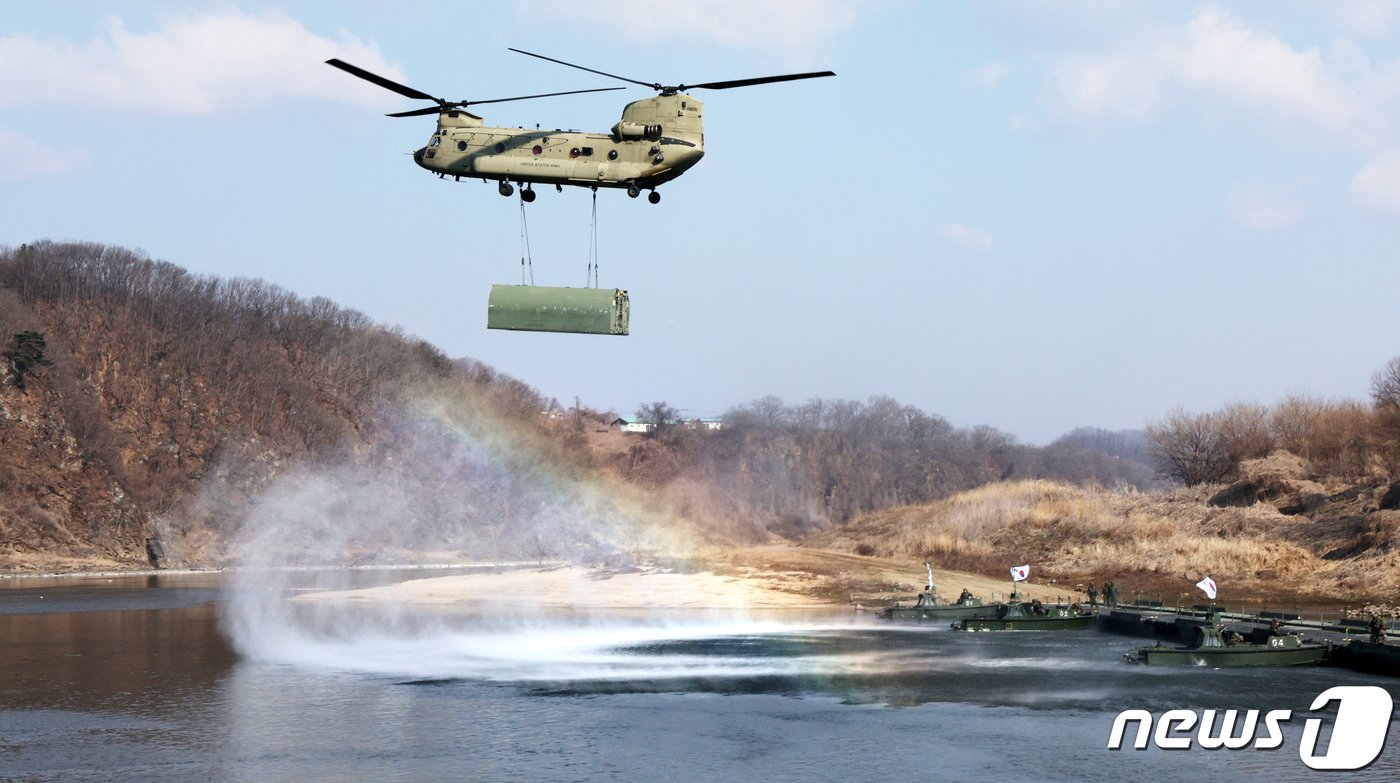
column 575, row 586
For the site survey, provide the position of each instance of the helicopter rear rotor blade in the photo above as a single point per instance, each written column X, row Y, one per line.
column 759, row 80
column 671, row 90
column 590, row 70
column 375, row 78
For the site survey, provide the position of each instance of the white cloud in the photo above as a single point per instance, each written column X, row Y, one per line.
column 1219, row 53
column 1215, row 57
column 969, row 237
column 23, row 158
column 1257, row 205
column 193, row 64
column 793, row 27
column 1377, row 185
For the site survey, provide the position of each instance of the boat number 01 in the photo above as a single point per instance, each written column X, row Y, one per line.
column 1358, row 734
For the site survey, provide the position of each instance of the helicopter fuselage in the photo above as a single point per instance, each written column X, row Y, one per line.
column 656, row 140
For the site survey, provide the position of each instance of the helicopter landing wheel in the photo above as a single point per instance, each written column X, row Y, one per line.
column 654, row 197
column 506, row 189
column 527, row 195
column 633, row 191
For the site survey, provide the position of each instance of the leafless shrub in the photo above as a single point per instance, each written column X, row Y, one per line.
column 1189, row 447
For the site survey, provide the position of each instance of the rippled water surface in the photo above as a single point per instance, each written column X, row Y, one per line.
column 133, row 679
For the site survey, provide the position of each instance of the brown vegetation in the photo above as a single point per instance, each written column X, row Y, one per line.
column 1345, row 439
column 1344, row 547
column 794, row 471
column 147, row 414
column 168, row 402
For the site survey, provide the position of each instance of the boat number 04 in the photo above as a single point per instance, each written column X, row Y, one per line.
column 1357, row 737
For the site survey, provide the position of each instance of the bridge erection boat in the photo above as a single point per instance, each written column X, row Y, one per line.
column 928, row 609
column 1029, row 616
column 1216, row 647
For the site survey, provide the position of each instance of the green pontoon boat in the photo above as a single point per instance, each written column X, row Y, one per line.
column 928, row 609
column 1220, row 648
column 1021, row 616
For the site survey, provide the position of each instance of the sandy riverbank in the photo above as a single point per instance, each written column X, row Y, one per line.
column 574, row 586
column 752, row 578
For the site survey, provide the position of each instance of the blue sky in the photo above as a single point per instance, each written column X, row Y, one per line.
column 1030, row 215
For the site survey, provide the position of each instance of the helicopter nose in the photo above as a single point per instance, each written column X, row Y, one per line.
column 418, row 155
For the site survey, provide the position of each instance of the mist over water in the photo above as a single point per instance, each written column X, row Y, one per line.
column 548, row 650
column 448, row 487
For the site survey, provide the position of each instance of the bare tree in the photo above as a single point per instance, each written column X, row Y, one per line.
column 1244, row 432
column 1385, row 386
column 1294, row 423
column 1188, row 447
column 660, row 416
column 1385, row 395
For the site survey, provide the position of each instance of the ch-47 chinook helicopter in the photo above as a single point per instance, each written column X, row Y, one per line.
column 656, row 140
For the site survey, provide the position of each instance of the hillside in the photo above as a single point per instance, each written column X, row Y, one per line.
column 151, row 417
column 1273, row 534
column 167, row 418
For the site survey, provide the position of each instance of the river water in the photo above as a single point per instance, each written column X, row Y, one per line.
column 135, row 678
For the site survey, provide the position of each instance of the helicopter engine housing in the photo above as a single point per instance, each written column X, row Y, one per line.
column 636, row 130
column 680, row 116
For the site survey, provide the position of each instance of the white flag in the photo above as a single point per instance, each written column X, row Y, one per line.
column 1019, row 573
column 930, row 575
column 1207, row 585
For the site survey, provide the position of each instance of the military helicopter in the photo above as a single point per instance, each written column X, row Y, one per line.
column 656, row 140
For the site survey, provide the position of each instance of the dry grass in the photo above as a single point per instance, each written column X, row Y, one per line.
column 1144, row 541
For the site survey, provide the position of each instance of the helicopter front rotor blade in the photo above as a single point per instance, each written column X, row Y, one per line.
column 375, row 78
column 541, row 95
column 590, row 70
column 760, row 80
column 421, row 112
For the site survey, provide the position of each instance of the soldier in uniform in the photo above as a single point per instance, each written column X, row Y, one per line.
column 1377, row 629
column 1093, row 595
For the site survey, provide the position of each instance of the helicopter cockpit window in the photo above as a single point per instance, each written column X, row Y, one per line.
column 434, row 142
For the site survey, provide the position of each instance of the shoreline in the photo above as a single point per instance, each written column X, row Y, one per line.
column 761, row 576
column 113, row 573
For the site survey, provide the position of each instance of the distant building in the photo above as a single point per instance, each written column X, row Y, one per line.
column 633, row 424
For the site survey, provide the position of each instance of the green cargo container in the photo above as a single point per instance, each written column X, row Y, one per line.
column 537, row 308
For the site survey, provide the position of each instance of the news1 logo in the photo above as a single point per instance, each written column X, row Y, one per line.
column 1358, row 733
